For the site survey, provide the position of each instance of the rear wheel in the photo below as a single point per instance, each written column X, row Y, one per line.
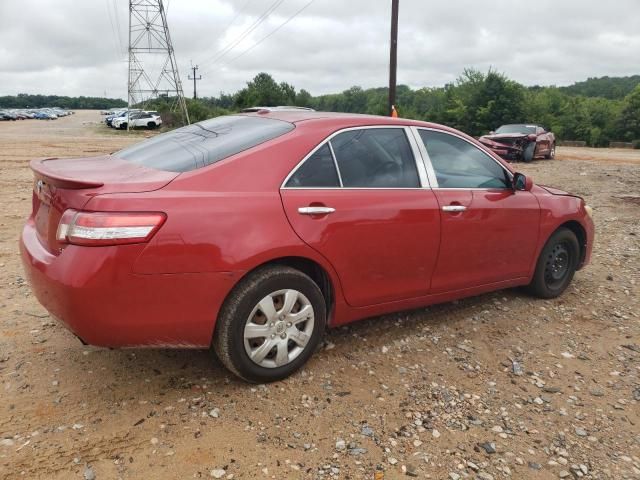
column 123, row 126
column 556, row 265
column 270, row 324
column 151, row 125
column 529, row 151
column 552, row 153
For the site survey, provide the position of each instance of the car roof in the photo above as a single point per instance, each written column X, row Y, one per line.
column 343, row 120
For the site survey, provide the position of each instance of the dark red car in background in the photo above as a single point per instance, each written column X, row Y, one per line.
column 521, row 142
column 251, row 233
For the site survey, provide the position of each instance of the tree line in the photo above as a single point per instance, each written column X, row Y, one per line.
column 596, row 111
column 25, row 100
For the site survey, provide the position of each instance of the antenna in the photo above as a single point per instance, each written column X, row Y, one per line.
column 149, row 46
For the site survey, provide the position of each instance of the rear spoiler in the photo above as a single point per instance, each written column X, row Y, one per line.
column 51, row 177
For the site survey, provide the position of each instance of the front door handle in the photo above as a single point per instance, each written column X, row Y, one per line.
column 454, row 208
column 315, row 210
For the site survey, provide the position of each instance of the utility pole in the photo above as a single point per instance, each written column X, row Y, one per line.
column 195, row 94
column 393, row 58
column 149, row 40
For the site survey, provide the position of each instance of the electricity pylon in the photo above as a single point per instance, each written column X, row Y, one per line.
column 149, row 47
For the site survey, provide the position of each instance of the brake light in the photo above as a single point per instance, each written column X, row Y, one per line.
column 108, row 228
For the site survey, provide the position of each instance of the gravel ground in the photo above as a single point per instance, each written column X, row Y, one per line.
column 497, row 386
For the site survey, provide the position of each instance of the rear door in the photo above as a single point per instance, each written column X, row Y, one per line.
column 362, row 201
column 489, row 231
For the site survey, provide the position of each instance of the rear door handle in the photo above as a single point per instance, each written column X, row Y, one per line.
column 315, row 210
column 454, row 208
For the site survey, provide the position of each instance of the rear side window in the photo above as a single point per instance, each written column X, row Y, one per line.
column 375, row 158
column 201, row 144
column 318, row 171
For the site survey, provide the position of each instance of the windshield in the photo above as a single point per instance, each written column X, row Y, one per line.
column 201, row 144
column 527, row 129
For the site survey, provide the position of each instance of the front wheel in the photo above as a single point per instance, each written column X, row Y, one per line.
column 270, row 324
column 529, row 151
column 556, row 265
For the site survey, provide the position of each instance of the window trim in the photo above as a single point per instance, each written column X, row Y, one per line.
column 415, row 151
column 431, row 171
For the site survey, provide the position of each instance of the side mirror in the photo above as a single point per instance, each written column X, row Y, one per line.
column 522, row 182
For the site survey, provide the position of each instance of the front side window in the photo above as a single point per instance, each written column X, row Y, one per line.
column 459, row 164
column 318, row 171
column 375, row 158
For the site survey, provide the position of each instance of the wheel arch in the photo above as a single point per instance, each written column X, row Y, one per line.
column 309, row 267
column 580, row 233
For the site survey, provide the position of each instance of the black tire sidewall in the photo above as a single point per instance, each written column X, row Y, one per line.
column 539, row 284
column 237, row 317
column 525, row 154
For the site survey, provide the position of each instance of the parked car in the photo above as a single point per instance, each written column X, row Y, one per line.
column 138, row 120
column 521, row 142
column 251, row 233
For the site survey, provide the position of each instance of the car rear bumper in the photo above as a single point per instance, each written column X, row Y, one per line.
column 94, row 293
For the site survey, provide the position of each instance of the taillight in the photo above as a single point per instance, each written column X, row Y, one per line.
column 108, row 228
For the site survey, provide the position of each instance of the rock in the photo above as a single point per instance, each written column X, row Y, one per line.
column 357, row 451
column 581, row 432
column 154, row 441
column 341, row 445
column 412, row 471
column 551, row 389
column 367, row 431
column 516, row 368
column 393, row 460
column 215, row 413
column 89, row 474
column 534, row 466
column 7, row 442
column 485, row 476
column 488, row 447
column 636, row 394
column 564, row 474
column 454, row 476
column 596, row 392
column 435, row 433
column 218, row 473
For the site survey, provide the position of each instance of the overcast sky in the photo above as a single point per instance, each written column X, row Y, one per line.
column 73, row 47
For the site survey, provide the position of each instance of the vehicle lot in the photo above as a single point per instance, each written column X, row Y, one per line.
column 546, row 386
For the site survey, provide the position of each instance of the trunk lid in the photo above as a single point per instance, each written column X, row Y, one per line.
column 60, row 184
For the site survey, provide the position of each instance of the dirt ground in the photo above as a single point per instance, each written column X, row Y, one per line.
column 498, row 386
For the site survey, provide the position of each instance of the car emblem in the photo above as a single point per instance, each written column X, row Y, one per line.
column 39, row 186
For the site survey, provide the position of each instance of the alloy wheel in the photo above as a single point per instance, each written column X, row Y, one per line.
column 278, row 328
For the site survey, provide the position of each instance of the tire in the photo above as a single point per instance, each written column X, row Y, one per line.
column 552, row 154
column 123, row 126
column 242, row 315
column 529, row 151
column 556, row 265
column 151, row 125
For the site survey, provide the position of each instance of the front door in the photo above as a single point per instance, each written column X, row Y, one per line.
column 358, row 200
column 489, row 231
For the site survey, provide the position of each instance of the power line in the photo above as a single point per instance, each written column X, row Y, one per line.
column 113, row 29
column 115, row 14
column 221, row 53
column 274, row 31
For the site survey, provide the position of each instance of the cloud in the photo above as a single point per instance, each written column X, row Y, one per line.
column 79, row 48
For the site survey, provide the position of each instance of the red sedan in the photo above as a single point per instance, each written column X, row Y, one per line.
column 521, row 142
column 252, row 233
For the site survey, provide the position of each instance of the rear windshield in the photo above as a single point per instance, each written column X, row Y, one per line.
column 201, row 144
